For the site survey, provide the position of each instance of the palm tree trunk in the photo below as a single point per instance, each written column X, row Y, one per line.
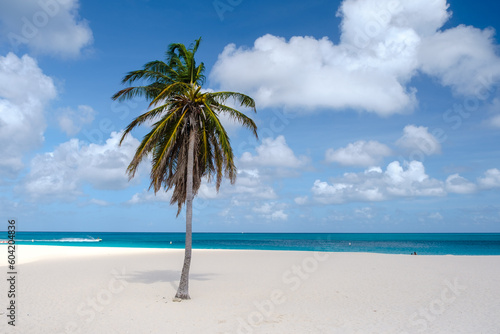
column 183, row 290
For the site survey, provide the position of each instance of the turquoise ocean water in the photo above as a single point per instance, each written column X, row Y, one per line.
column 392, row 243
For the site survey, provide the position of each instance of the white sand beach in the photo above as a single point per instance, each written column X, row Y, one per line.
column 119, row 290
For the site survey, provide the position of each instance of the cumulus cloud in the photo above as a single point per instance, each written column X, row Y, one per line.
column 366, row 213
column 409, row 180
column 63, row 172
column 24, row 93
column 271, row 211
column 249, row 185
column 360, row 153
column 467, row 59
column 301, row 200
column 309, row 73
column 418, row 139
column 397, row 181
column 45, row 26
column 273, row 153
column 460, row 185
column 367, row 22
column 383, row 45
column 150, row 196
column 491, row 179
column 71, row 121
column 99, row 202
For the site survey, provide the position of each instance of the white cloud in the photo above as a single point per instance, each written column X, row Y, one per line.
column 45, row 26
column 150, row 196
column 104, row 166
column 207, row 191
column 491, row 179
column 365, row 212
column 467, row 60
column 360, row 153
column 460, row 185
column 327, row 194
column 24, row 93
column 376, row 185
column 373, row 169
column 62, row 173
column 301, row 200
column 248, row 186
column 368, row 22
column 309, row 73
column 272, row 211
column 71, row 121
column 409, row 180
column 418, row 139
column 383, row 45
column 264, row 208
column 99, row 202
column 279, row 215
column 273, row 153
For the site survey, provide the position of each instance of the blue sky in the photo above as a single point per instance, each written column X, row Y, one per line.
column 373, row 115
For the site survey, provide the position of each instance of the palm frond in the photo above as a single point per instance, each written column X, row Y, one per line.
column 180, row 111
column 238, row 116
column 170, row 92
column 242, row 99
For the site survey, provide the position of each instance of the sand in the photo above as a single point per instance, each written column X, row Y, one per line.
column 119, row 290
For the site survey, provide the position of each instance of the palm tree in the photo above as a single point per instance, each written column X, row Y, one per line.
column 187, row 141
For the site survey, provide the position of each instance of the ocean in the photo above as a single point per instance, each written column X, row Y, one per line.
column 390, row 243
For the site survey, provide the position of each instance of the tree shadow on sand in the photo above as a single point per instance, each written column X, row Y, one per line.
column 156, row 276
